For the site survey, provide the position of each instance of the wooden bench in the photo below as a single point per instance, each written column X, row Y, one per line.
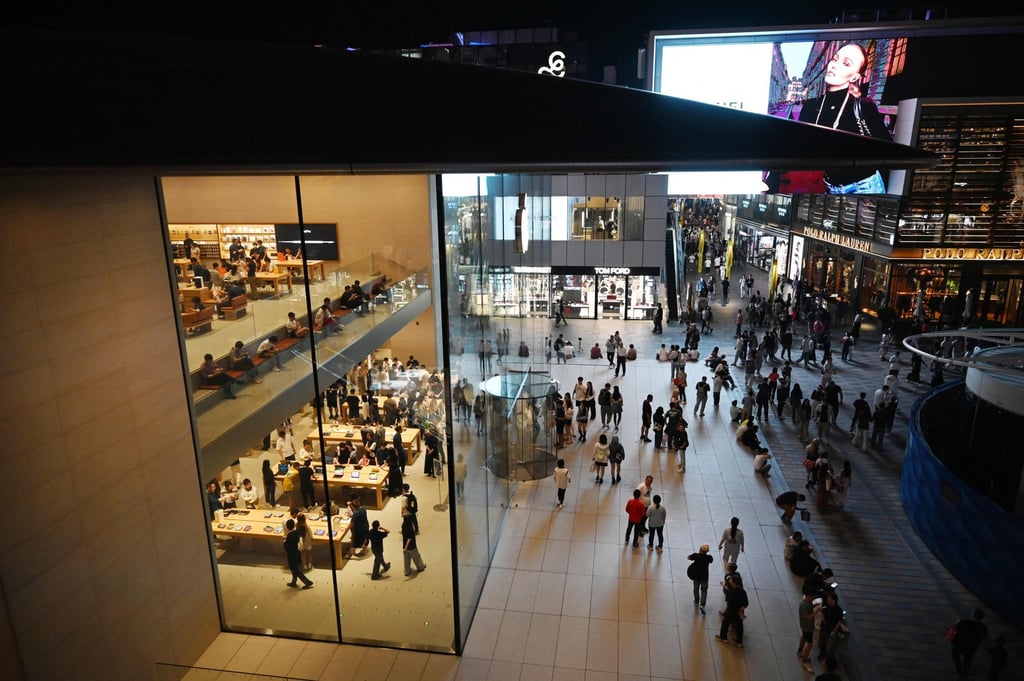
column 258, row 361
column 197, row 321
column 235, row 308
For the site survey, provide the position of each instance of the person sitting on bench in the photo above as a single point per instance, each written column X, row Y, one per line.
column 215, row 375
column 268, row 349
column 239, row 360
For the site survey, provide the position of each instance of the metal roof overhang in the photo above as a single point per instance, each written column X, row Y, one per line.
column 176, row 105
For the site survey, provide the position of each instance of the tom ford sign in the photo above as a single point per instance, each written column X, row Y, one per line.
column 838, row 239
column 972, row 253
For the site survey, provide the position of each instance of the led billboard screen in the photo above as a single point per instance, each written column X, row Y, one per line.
column 847, row 78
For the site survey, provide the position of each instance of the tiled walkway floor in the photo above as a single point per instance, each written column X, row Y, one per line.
column 566, row 600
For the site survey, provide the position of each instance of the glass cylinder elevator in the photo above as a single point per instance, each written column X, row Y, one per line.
column 520, row 424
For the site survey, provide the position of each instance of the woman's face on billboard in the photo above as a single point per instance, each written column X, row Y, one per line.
column 845, row 67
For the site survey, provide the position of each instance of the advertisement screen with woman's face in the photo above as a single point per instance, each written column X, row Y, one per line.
column 826, row 82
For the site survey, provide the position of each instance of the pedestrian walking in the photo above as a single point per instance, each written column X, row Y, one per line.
column 620, row 359
column 604, row 401
column 807, row 615
column 803, row 417
column 376, row 538
column 658, row 424
column 698, row 573
column 681, row 441
column 702, row 389
column 656, row 515
column 967, row 636
column 636, row 512
column 731, row 544
column 842, row 484
column 646, row 412
column 560, row 312
column 294, row 555
column 616, row 453
column 600, row 458
column 616, row 406
column 736, row 603
column 410, row 553
column 562, row 480
column 823, row 419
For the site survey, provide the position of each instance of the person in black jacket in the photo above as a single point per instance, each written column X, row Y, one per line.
column 306, row 485
column 736, row 603
column 698, row 572
column 291, row 550
column 969, row 635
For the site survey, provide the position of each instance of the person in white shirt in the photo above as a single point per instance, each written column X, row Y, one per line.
column 883, row 396
column 580, row 393
column 306, row 453
column 294, row 327
column 761, row 462
column 268, row 349
column 248, row 494
column 285, row 446
column 732, row 541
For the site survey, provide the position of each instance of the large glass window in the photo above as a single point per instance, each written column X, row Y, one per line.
column 873, row 280
column 925, row 291
column 310, row 377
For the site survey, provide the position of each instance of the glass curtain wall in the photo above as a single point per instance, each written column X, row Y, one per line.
column 500, row 227
column 303, row 413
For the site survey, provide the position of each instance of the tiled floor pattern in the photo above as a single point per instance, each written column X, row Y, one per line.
column 565, row 599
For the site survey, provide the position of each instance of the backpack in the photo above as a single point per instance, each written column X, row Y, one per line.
column 411, row 503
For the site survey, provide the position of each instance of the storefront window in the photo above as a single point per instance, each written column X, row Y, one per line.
column 611, row 296
column 999, row 301
column 927, row 292
column 845, row 282
column 643, row 296
column 577, row 290
column 873, row 279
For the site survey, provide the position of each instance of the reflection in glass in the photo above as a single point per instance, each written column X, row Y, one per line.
column 277, row 407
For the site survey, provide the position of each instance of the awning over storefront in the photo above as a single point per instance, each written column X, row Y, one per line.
column 169, row 104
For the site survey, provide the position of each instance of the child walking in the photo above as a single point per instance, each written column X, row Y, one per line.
column 562, row 480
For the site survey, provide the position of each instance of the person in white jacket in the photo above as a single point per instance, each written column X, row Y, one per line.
column 562, row 480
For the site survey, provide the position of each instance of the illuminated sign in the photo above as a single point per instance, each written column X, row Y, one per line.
column 556, row 65
column 796, row 259
column 838, row 239
column 973, row 253
column 611, row 270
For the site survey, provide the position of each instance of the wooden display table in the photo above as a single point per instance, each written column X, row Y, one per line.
column 255, row 523
column 184, row 266
column 340, row 477
column 411, row 438
column 275, row 279
column 296, row 264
